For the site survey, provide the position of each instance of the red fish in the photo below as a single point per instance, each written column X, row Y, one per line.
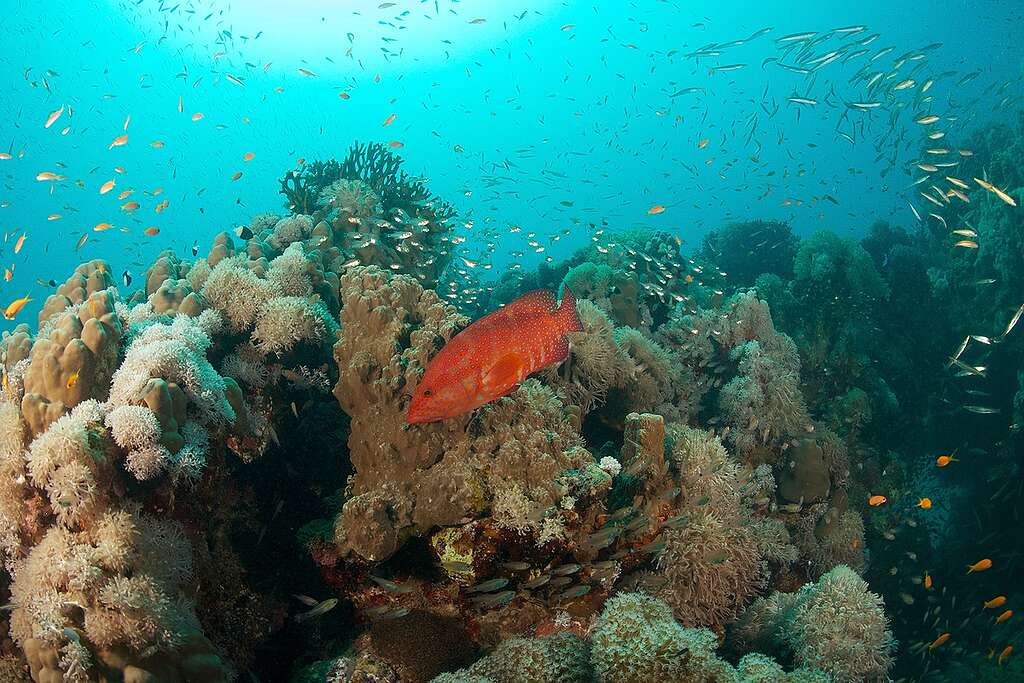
column 490, row 357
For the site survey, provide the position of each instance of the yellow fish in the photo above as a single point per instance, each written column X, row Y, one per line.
column 15, row 307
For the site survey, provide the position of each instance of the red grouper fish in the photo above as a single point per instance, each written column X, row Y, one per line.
column 490, row 357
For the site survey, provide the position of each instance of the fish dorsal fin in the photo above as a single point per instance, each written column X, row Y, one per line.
column 504, row 373
column 532, row 303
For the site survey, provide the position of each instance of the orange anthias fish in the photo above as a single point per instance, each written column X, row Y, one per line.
column 939, row 641
column 490, row 357
column 979, row 566
column 997, row 601
column 876, row 500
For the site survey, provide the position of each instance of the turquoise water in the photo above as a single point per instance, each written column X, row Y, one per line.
column 560, row 132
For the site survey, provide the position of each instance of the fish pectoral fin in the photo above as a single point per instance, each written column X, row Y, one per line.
column 504, row 372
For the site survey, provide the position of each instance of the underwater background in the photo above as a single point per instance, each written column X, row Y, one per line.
column 771, row 432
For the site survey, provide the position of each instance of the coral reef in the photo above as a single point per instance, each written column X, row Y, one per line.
column 836, row 625
column 611, row 519
column 745, row 250
column 635, row 639
column 378, row 214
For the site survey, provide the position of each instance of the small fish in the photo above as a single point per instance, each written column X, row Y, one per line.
column 457, row 567
column 573, row 593
column 928, row 120
column 21, row 241
column 1004, row 654
column 389, row 120
column 979, row 566
column 537, row 582
column 927, row 581
column 488, row 359
column 248, row 156
column 151, row 231
column 391, row 586
column 321, row 609
column 938, row 641
column 119, row 141
column 515, row 566
column 15, row 307
column 72, row 379
column 488, row 586
column 877, row 499
column 925, row 503
column 997, row 601
column 107, row 186
column 1013, row 322
column 244, row 233
column 52, row 118
column 493, row 599
column 126, row 277
column 981, row 410
column 1004, row 616
column 655, row 210
column 967, row 244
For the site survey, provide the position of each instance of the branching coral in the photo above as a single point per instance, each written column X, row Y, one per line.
column 379, row 215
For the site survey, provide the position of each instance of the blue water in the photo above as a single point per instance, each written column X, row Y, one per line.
column 562, row 111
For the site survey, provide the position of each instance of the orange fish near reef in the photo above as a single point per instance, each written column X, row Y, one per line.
column 939, row 641
column 490, row 357
column 979, row 566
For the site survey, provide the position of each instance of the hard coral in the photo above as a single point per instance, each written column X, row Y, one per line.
column 409, row 480
column 72, row 360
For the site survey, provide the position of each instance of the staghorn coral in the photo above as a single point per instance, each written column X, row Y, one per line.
column 835, row 624
column 378, row 214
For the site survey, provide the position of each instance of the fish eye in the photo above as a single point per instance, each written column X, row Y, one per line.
column 427, row 392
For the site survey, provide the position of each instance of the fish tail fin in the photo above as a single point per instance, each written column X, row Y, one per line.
column 567, row 313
